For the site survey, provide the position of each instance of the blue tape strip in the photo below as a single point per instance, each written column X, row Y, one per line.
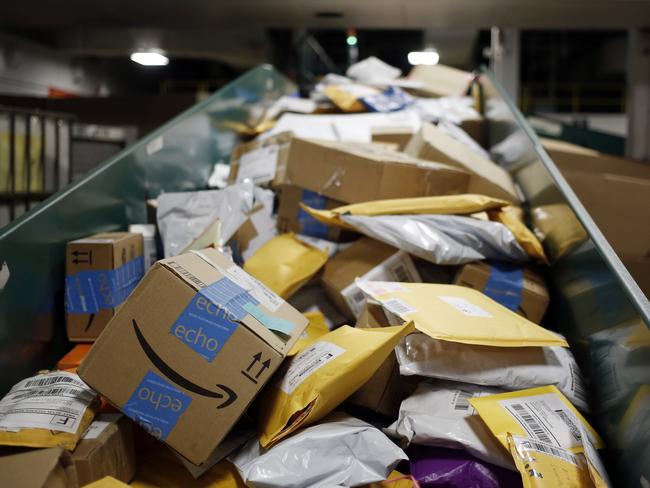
column 390, row 100
column 156, row 405
column 91, row 291
column 275, row 324
column 505, row 284
column 208, row 321
column 310, row 226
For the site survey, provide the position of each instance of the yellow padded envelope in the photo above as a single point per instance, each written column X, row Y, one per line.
column 458, row 314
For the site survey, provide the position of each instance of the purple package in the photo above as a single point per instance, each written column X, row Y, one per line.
column 451, row 468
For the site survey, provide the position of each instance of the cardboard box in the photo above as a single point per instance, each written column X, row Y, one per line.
column 400, row 136
column 190, row 349
column 487, row 178
column 572, row 157
column 518, row 288
column 291, row 218
column 384, row 392
column 101, row 271
column 441, row 80
column 368, row 259
column 39, row 468
column 106, row 449
column 476, row 128
column 72, row 360
column 263, row 161
column 353, row 173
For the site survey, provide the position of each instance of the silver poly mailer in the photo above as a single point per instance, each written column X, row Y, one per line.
column 184, row 216
column 439, row 414
column 339, row 451
column 442, row 239
column 511, row 368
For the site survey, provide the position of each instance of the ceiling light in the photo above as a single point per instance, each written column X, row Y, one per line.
column 424, row 57
column 150, row 58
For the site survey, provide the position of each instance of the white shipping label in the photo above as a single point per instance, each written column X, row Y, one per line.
column 54, row 401
column 307, row 362
column 377, row 288
column 546, row 418
column 99, row 425
column 527, row 447
column 398, row 306
column 258, row 165
column 259, row 290
column 397, row 268
column 465, row 306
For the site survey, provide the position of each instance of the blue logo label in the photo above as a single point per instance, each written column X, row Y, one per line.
column 311, row 226
column 156, row 405
column 91, row 291
column 505, row 284
column 205, row 326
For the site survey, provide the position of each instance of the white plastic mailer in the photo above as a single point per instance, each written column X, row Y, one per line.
column 339, row 451
column 184, row 216
column 511, row 368
column 442, row 239
column 439, row 414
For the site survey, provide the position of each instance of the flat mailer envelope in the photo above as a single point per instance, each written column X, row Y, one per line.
column 458, row 314
column 190, row 349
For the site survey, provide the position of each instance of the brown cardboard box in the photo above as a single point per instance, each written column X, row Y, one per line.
column 365, row 258
column 265, row 160
column 177, row 363
column 100, row 272
column 384, row 392
column 503, row 280
column 399, row 136
column 291, row 218
column 441, row 80
column 572, row 157
column 487, row 178
column 106, row 449
column 39, row 468
column 353, row 173
column 477, row 130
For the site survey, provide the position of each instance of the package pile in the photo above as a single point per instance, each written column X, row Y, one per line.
column 359, row 306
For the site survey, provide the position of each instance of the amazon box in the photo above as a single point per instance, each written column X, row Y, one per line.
column 367, row 259
column 384, row 392
column 352, row 173
column 189, row 350
column 487, row 178
column 101, row 271
column 106, row 449
column 292, row 218
column 399, row 136
column 262, row 161
column 518, row 288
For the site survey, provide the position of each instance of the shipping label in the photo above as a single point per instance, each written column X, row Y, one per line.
column 465, row 307
column 156, row 405
column 53, row 401
column 99, row 425
column 306, row 363
column 258, row 165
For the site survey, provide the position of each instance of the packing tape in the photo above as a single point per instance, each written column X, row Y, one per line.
column 505, row 284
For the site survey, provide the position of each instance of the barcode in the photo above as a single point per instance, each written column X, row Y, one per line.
column 50, row 392
column 573, row 428
column 576, row 383
column 398, row 306
column 461, row 402
column 400, row 273
column 177, row 267
column 49, row 381
column 553, row 451
column 358, row 298
column 531, row 423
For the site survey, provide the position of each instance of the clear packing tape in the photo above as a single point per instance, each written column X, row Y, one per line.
column 402, row 223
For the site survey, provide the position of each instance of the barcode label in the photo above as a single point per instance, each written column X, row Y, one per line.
column 49, row 381
column 461, row 400
column 61, row 391
column 400, row 273
column 573, row 428
column 398, row 306
column 307, row 362
column 528, row 445
column 183, row 272
column 529, row 423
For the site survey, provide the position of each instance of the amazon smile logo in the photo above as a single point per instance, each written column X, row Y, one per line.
column 225, row 393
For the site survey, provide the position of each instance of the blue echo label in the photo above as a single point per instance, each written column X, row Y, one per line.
column 156, row 405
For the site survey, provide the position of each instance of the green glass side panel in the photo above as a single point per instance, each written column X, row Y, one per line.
column 178, row 156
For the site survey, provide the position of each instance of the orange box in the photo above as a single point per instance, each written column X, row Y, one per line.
column 72, row 360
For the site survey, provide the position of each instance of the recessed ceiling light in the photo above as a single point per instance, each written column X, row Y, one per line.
column 150, row 58
column 424, row 57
